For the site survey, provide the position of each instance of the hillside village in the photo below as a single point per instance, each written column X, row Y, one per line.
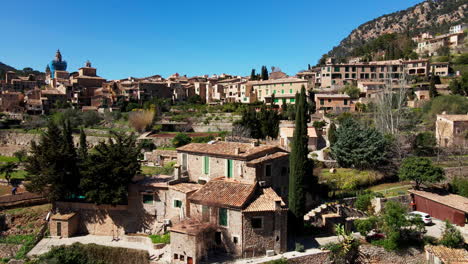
column 361, row 158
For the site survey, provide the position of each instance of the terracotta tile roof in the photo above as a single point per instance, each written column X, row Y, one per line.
column 185, row 187
column 455, row 117
column 190, row 227
column 284, row 80
column 224, row 193
column 221, row 148
column 159, row 181
column 452, row 200
column 449, row 255
column 289, row 132
column 265, row 201
column 273, row 156
column 51, row 91
column 332, row 96
column 63, row 216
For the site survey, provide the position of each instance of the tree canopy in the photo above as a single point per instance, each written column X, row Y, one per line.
column 420, row 170
column 359, row 147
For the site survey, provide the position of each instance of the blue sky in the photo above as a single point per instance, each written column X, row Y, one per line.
column 146, row 37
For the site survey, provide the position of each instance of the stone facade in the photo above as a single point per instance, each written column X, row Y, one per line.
column 451, row 130
column 64, row 225
column 337, row 103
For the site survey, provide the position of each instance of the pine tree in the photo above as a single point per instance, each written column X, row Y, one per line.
column 110, row 169
column 52, row 166
column 300, row 165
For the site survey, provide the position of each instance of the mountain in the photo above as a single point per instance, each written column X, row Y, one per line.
column 6, row 68
column 433, row 16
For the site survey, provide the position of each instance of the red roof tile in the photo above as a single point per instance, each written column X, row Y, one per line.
column 265, row 201
column 224, row 193
column 244, row 151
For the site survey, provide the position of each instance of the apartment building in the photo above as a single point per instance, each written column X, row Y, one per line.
column 280, row 88
column 440, row 68
column 338, row 75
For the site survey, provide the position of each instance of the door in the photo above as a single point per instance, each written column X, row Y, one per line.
column 189, row 260
column 218, row 238
column 59, row 229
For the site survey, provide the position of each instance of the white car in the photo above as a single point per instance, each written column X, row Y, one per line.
column 426, row 218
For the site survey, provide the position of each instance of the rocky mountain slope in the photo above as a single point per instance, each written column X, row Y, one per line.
column 434, row 16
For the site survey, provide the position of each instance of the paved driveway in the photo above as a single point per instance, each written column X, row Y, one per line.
column 438, row 226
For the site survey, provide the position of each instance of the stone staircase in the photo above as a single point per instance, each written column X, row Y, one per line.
column 315, row 215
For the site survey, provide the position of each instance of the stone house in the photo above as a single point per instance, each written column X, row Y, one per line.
column 160, row 157
column 286, row 132
column 153, row 204
column 337, row 103
column 451, row 130
column 228, row 216
column 244, row 162
column 11, row 102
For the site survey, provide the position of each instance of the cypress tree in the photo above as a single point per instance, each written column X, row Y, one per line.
column 432, row 88
column 83, row 151
column 253, row 75
column 264, row 73
column 332, row 134
column 300, row 165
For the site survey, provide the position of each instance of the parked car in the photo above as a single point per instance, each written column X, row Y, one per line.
column 426, row 218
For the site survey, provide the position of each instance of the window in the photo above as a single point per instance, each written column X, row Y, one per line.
column 345, row 102
column 230, row 168
column 182, row 257
column 322, row 102
column 290, row 91
column 235, row 240
column 147, row 198
column 276, row 100
column 257, row 222
column 184, row 162
column 353, row 76
column 176, row 256
column 282, row 84
column 268, row 170
column 290, row 84
column 292, row 100
column 206, row 165
column 223, row 217
column 346, row 69
column 337, row 69
column 274, row 91
column 282, row 91
column 267, row 92
column 329, row 100
column 354, row 69
column 347, row 75
column 177, row 203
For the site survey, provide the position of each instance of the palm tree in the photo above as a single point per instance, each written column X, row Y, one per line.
column 7, row 169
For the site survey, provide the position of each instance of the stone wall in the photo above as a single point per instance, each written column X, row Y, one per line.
column 379, row 203
column 12, row 141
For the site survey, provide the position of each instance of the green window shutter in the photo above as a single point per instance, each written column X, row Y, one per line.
column 282, row 91
column 147, row 198
column 230, row 168
column 290, row 91
column 223, row 217
column 206, row 164
column 177, row 203
column 292, row 100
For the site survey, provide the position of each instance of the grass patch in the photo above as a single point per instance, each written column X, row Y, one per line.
column 26, row 242
column 19, row 174
column 168, row 169
column 392, row 189
column 157, row 239
column 6, row 159
column 349, row 179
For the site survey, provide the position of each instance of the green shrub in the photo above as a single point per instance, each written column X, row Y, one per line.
column 299, row 247
column 277, row 261
column 364, row 226
column 93, row 254
column 157, row 239
column 180, row 140
column 363, row 202
column 451, row 237
column 459, row 186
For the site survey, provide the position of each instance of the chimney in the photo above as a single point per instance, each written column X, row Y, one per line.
column 237, row 151
column 277, row 205
column 177, row 172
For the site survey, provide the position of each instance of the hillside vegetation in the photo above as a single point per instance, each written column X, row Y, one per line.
column 434, row 16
